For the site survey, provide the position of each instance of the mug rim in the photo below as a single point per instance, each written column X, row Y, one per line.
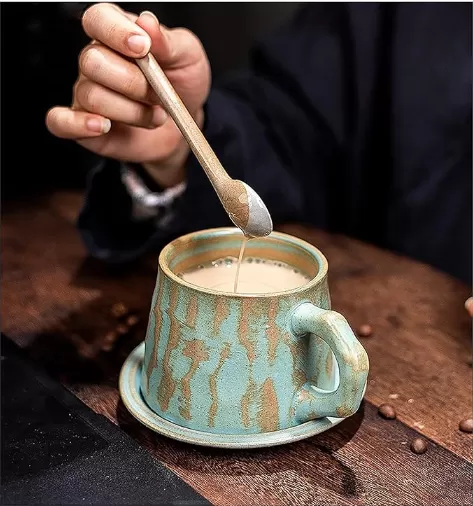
column 318, row 256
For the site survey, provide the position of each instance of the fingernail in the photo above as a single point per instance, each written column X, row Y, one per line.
column 99, row 125
column 159, row 116
column 138, row 44
column 149, row 13
column 106, row 126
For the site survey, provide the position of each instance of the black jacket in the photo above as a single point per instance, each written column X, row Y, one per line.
column 355, row 118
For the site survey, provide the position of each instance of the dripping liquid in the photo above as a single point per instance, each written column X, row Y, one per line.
column 240, row 258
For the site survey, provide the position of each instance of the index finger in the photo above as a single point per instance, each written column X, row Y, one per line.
column 112, row 27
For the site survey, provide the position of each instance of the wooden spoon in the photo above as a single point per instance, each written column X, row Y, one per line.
column 243, row 205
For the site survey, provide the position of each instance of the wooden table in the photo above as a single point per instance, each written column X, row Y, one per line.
column 56, row 303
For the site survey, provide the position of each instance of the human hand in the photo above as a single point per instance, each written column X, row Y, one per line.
column 115, row 113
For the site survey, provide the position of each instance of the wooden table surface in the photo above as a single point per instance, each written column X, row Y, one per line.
column 56, row 304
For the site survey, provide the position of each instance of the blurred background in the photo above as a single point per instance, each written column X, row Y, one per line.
column 40, row 45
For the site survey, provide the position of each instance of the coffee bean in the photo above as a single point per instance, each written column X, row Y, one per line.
column 121, row 330
column 87, row 351
column 387, row 411
column 419, row 445
column 132, row 320
column 111, row 337
column 109, row 341
column 119, row 310
column 466, row 425
column 365, row 330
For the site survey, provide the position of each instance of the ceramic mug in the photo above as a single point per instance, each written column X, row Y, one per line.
column 231, row 363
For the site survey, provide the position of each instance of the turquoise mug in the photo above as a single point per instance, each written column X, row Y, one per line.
column 237, row 364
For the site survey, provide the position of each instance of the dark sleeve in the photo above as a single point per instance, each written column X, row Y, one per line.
column 279, row 126
column 266, row 129
column 106, row 222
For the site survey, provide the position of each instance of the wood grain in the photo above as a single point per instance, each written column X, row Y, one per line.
column 57, row 303
column 421, row 342
column 366, row 460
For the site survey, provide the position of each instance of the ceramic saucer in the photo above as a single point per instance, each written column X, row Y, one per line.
column 130, row 391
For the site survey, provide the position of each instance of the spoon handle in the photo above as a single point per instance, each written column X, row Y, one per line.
column 184, row 121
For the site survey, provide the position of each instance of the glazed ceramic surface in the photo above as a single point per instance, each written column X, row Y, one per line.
column 130, row 390
column 236, row 364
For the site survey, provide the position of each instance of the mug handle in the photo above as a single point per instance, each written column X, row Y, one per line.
column 312, row 402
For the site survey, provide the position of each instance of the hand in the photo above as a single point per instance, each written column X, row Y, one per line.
column 115, row 113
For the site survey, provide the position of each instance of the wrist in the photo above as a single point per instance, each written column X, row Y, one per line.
column 172, row 170
column 146, row 202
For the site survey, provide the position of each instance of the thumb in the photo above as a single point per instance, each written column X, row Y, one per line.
column 173, row 48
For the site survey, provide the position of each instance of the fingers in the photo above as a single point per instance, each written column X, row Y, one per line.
column 172, row 47
column 116, row 29
column 94, row 107
column 65, row 123
column 111, row 93
column 107, row 68
column 107, row 23
column 102, row 101
column 111, row 26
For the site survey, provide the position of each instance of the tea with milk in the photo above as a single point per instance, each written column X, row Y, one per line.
column 256, row 276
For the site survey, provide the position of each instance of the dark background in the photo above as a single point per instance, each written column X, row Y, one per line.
column 40, row 43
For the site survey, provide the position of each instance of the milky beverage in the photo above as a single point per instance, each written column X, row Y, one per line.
column 256, row 275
